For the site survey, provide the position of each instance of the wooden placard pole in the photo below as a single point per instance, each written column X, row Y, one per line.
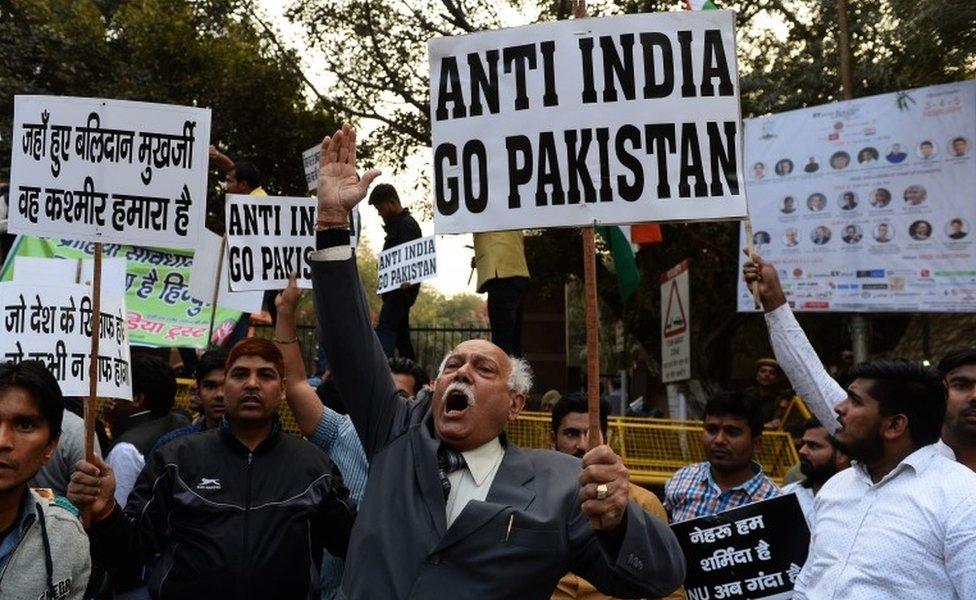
column 91, row 406
column 751, row 248
column 595, row 437
column 213, row 303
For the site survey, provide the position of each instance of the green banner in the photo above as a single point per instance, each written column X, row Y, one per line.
column 161, row 312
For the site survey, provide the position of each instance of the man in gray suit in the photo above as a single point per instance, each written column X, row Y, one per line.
column 452, row 506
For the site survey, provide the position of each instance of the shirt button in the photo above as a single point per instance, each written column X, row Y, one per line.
column 435, row 559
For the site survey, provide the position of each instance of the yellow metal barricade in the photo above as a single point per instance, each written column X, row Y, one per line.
column 653, row 449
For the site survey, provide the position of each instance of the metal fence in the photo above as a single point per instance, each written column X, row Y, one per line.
column 430, row 344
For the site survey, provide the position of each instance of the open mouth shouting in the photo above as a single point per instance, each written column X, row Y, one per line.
column 458, row 397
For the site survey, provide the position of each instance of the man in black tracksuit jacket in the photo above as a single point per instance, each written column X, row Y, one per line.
column 241, row 511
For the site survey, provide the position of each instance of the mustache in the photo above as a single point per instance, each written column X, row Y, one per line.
column 463, row 388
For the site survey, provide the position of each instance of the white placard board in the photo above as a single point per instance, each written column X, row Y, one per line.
column 675, row 325
column 868, row 204
column 102, row 170
column 310, row 164
column 407, row 264
column 53, row 324
column 608, row 120
column 43, row 271
column 203, row 278
column 268, row 238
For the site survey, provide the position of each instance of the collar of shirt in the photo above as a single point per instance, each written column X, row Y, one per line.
column 750, row 486
column 258, row 191
column 25, row 518
column 943, row 448
column 916, row 461
column 483, row 460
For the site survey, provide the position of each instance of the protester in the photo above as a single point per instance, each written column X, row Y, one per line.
column 43, row 548
column 904, row 516
column 393, row 326
column 503, row 273
column 771, row 391
column 570, row 435
column 324, row 427
column 823, row 393
column 730, row 478
column 958, row 370
column 209, row 395
column 451, row 504
column 242, row 511
column 819, row 461
column 138, row 425
column 408, row 376
column 55, row 473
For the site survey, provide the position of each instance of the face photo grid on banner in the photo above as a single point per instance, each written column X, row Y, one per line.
column 877, row 211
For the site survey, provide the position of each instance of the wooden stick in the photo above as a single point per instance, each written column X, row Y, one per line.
column 91, row 406
column 595, row 437
column 751, row 247
column 213, row 305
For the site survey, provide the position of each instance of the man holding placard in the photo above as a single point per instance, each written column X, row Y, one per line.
column 393, row 326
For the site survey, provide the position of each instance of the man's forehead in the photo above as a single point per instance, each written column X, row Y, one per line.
column 17, row 400
column 726, row 419
column 575, row 420
column 481, row 348
column 217, row 374
column 962, row 372
column 253, row 361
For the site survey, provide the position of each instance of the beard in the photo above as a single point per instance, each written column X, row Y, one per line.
column 818, row 474
column 865, row 450
column 960, row 425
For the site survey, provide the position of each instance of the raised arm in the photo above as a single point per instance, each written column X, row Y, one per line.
column 358, row 365
column 793, row 350
column 301, row 398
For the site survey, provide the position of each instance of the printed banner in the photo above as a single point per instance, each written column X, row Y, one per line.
column 109, row 170
column 407, row 264
column 310, row 162
column 608, row 120
column 675, row 325
column 755, row 551
column 160, row 310
column 54, row 325
column 867, row 205
column 269, row 238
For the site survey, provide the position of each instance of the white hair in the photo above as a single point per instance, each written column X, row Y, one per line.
column 519, row 379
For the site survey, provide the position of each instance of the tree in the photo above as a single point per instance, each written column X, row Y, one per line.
column 787, row 59
column 193, row 52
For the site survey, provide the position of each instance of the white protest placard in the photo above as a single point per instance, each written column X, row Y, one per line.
column 675, row 325
column 408, row 263
column 867, row 204
column 203, row 277
column 607, row 120
column 53, row 324
column 267, row 239
column 310, row 163
column 101, row 170
column 43, row 271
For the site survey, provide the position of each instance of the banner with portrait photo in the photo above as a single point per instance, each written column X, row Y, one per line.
column 611, row 120
column 114, row 171
column 867, row 205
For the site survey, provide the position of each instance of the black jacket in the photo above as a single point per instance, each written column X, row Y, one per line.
column 229, row 523
column 143, row 431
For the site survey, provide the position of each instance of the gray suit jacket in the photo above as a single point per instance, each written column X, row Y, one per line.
column 401, row 547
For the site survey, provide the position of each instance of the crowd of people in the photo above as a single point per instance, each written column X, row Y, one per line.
column 403, row 486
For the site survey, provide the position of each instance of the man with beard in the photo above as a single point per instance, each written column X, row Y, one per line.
column 570, row 433
column 730, row 477
column 819, row 461
column 958, row 442
column 451, row 504
column 903, row 518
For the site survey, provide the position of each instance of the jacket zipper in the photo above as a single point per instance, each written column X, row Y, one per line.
column 247, row 511
column 13, row 554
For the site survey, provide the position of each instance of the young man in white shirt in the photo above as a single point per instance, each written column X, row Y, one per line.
column 901, row 523
column 958, row 442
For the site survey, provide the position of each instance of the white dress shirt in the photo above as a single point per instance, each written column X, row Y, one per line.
column 912, row 535
column 474, row 480
column 804, row 495
column 127, row 462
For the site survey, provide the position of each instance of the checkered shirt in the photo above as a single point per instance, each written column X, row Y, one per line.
column 692, row 492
